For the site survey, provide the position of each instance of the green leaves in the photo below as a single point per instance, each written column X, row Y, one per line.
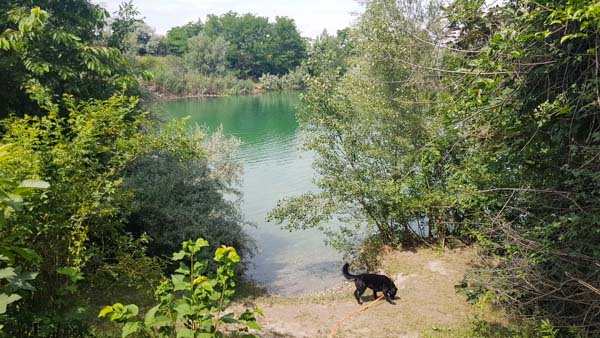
column 227, row 255
column 73, row 274
column 129, row 328
column 7, row 299
column 119, row 312
column 192, row 302
column 62, row 50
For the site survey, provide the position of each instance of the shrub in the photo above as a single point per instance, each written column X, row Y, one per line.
column 191, row 303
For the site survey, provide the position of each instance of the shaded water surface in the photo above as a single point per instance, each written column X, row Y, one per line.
column 275, row 167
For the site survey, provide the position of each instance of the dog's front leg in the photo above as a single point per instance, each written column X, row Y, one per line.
column 388, row 298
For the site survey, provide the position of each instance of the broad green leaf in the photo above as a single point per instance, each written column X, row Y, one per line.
column 7, row 273
column 161, row 321
column 129, row 328
column 178, row 255
column 183, row 332
column 229, row 319
column 199, row 244
column 179, row 282
column 105, row 310
column 7, row 299
column 199, row 279
column 253, row 325
column 73, row 273
column 132, row 310
column 183, row 269
column 20, row 281
column 183, row 308
column 149, row 317
column 206, row 286
column 26, row 253
column 225, row 254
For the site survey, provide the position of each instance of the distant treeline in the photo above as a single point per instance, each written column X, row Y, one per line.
column 217, row 56
column 248, row 45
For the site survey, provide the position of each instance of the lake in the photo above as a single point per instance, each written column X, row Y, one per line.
column 275, row 166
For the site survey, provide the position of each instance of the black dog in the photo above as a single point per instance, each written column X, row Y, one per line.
column 372, row 281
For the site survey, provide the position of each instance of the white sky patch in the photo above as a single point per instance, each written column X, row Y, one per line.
column 311, row 16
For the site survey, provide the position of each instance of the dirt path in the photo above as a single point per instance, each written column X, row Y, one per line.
column 426, row 301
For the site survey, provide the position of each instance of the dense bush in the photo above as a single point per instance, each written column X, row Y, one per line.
column 294, row 80
column 172, row 78
column 176, row 200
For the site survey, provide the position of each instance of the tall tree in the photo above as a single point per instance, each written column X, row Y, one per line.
column 52, row 50
column 207, row 55
column 123, row 25
column 256, row 46
column 286, row 48
column 177, row 37
column 372, row 136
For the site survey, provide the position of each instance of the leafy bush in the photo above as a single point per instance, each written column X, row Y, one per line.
column 176, row 200
column 294, row 80
column 192, row 301
column 171, row 76
column 15, row 280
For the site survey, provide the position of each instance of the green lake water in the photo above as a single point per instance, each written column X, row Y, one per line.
column 275, row 166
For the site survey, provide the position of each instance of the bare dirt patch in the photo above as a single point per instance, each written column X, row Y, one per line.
column 426, row 300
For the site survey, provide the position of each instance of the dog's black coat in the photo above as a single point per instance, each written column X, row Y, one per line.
column 372, row 281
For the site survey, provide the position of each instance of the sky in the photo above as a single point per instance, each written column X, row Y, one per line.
column 311, row 16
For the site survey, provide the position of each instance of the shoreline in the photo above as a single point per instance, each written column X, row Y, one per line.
column 171, row 97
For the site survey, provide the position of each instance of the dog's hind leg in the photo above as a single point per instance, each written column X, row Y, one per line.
column 374, row 294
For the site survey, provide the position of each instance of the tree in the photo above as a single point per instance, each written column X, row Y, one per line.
column 206, row 55
column 286, row 48
column 256, row 46
column 330, row 52
column 377, row 161
column 123, row 25
column 43, row 57
column 176, row 200
column 177, row 37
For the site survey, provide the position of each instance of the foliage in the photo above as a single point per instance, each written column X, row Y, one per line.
column 176, row 200
column 177, row 37
column 191, row 302
column 12, row 276
column 206, row 55
column 123, row 25
column 171, row 77
column 330, row 52
column 76, row 222
column 532, row 105
column 256, row 46
column 294, row 80
column 43, row 56
column 486, row 128
column 489, row 329
column 374, row 172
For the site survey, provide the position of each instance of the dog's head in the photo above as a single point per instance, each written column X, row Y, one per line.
column 392, row 291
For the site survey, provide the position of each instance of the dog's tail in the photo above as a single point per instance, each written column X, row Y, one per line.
column 346, row 273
